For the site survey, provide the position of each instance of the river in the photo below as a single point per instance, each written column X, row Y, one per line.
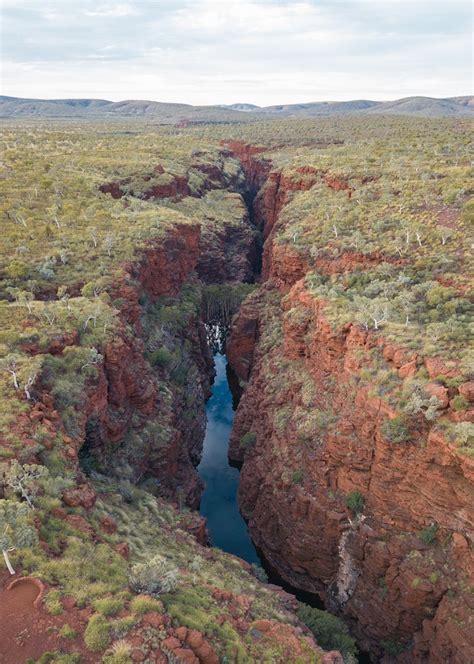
column 219, row 502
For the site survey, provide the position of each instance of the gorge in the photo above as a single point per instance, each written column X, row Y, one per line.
column 353, row 490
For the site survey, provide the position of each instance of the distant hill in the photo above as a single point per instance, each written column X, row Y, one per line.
column 183, row 114
column 427, row 107
column 245, row 108
column 320, row 108
column 166, row 113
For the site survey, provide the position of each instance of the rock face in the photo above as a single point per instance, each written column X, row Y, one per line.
column 397, row 566
column 229, row 253
column 123, row 402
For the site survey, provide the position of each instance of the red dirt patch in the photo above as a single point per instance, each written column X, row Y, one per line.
column 27, row 630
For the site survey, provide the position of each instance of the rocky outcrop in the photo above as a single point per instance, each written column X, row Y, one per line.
column 123, row 415
column 397, row 565
column 229, row 252
column 296, row 479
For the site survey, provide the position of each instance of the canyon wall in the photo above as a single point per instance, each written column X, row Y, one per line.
column 381, row 531
column 131, row 416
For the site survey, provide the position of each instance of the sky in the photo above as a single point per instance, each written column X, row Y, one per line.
column 226, row 51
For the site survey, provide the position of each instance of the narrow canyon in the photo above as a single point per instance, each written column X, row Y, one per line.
column 377, row 533
column 306, row 434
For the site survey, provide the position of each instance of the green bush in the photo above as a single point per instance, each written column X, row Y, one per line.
column 141, row 605
column 460, row 403
column 355, row 502
column 57, row 658
column 248, row 439
column 97, row 633
column 52, row 601
column 392, row 648
column 122, row 626
column 160, row 358
column 120, row 654
column 108, row 606
column 67, row 632
column 396, row 430
column 297, row 476
column 153, row 577
column 429, row 535
column 330, row 632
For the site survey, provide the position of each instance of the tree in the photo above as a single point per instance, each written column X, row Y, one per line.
column 23, row 298
column 16, row 530
column 23, row 479
column 371, row 309
column 330, row 631
column 94, row 358
column 64, row 296
column 444, row 233
column 10, row 364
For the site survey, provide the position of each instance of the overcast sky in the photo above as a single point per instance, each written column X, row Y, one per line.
column 257, row 51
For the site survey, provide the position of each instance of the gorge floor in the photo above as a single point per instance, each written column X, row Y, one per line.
column 219, row 502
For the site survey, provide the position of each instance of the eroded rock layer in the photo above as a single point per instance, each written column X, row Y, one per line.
column 382, row 532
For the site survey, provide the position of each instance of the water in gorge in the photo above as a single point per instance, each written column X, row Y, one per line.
column 219, row 502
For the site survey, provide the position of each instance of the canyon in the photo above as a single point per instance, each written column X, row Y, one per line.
column 377, row 530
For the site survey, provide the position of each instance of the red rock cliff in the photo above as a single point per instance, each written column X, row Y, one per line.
column 318, row 431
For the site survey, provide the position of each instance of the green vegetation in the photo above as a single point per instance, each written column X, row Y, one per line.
column 52, row 602
column 429, row 534
column 355, row 502
column 154, row 577
column 393, row 647
column 16, row 529
column 108, row 606
column 67, row 632
column 97, row 634
column 330, row 632
column 57, row 657
column 120, row 653
column 248, row 439
column 141, row 605
column 396, row 430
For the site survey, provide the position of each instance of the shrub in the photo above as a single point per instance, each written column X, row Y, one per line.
column 396, row 430
column 460, row 403
column 248, row 439
column 122, row 626
column 97, row 633
column 57, row 658
column 392, row 648
column 297, row 476
column 259, row 573
column 160, row 358
column 120, row 653
column 428, row 535
column 153, row 577
column 67, row 632
column 52, row 602
column 141, row 605
column 355, row 502
column 108, row 606
column 434, row 576
column 330, row 632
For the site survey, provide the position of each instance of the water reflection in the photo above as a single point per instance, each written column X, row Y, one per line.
column 219, row 503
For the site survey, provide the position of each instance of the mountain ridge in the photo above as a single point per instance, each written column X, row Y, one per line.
column 169, row 113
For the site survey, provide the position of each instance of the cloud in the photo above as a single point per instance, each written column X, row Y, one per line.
column 114, row 11
column 212, row 51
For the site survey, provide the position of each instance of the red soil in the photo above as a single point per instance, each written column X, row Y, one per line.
column 27, row 630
